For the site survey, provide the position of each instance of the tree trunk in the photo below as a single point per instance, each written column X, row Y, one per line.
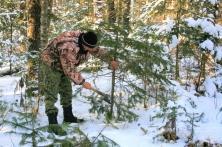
column 126, row 14
column 111, row 21
column 23, row 24
column 81, row 2
column 177, row 70
column 218, row 16
column 46, row 6
column 33, row 34
column 91, row 8
column 177, row 67
column 202, row 72
column 10, row 51
column 119, row 15
column 111, row 12
column 94, row 11
column 138, row 7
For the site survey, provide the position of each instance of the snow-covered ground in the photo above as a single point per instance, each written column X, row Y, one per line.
column 130, row 134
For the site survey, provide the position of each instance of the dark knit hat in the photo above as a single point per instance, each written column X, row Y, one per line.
column 89, row 39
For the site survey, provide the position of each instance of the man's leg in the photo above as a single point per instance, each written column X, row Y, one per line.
column 65, row 91
column 51, row 80
column 66, row 100
column 51, row 89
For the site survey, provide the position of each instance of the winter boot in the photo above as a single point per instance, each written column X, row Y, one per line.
column 54, row 126
column 68, row 115
column 52, row 118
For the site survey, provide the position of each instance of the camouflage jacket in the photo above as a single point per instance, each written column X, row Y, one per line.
column 61, row 54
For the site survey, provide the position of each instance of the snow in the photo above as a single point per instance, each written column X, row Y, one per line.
column 164, row 28
column 168, row 26
column 207, row 26
column 218, row 50
column 213, row 1
column 191, row 22
column 174, row 42
column 148, row 9
column 131, row 134
column 207, row 44
column 8, row 14
column 7, row 86
column 219, row 29
column 210, row 87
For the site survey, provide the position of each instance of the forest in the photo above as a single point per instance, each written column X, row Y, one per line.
column 165, row 92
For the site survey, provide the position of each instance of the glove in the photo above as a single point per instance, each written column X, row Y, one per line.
column 114, row 65
column 87, row 85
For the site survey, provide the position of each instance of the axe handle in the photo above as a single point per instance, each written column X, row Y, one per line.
column 104, row 95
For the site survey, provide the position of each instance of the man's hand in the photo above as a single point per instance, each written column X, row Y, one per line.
column 114, row 65
column 87, row 85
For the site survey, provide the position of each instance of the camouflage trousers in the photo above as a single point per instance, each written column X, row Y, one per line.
column 52, row 83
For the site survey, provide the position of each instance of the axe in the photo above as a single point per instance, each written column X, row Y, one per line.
column 104, row 95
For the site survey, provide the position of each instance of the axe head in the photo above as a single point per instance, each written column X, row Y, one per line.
column 105, row 96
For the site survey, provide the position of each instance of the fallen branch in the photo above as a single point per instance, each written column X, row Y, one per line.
column 6, row 71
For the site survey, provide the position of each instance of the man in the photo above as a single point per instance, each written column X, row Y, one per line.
column 60, row 59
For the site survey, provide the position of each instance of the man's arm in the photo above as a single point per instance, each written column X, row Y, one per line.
column 104, row 55
column 68, row 62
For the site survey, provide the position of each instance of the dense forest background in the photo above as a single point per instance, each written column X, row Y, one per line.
column 155, row 41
